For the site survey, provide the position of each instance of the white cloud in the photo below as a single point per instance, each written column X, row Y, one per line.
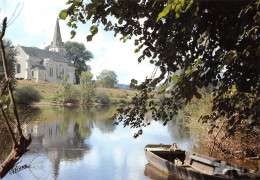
column 112, row 54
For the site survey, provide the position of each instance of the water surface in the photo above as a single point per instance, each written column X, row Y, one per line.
column 82, row 143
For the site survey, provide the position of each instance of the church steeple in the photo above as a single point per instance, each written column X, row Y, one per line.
column 57, row 45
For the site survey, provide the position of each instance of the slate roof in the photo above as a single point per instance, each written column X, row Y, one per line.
column 39, row 66
column 45, row 54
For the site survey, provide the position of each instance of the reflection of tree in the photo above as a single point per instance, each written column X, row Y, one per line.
column 102, row 118
column 25, row 115
column 177, row 130
column 87, row 118
column 60, row 131
column 28, row 114
column 5, row 143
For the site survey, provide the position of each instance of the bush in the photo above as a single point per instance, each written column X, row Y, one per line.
column 102, row 97
column 67, row 92
column 27, row 95
column 122, row 101
column 71, row 95
column 87, row 87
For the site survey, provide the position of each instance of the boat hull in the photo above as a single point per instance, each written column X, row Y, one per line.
column 192, row 167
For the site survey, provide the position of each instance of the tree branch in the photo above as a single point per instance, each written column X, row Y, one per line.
column 8, row 127
column 9, row 84
column 20, row 146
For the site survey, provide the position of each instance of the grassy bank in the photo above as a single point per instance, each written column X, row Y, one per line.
column 50, row 92
column 239, row 149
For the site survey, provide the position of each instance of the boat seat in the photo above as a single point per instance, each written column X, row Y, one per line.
column 214, row 167
column 205, row 161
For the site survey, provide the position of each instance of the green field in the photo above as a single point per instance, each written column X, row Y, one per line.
column 50, row 91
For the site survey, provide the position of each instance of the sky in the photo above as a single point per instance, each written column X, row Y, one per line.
column 34, row 27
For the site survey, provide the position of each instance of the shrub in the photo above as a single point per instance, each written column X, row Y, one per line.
column 71, row 95
column 68, row 93
column 27, row 95
column 87, row 87
column 102, row 97
column 122, row 101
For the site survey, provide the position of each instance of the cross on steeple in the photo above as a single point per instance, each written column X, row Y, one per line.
column 57, row 45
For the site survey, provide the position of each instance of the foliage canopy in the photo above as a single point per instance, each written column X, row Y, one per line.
column 87, row 86
column 213, row 43
column 27, row 95
column 107, row 78
column 67, row 92
column 78, row 53
column 10, row 58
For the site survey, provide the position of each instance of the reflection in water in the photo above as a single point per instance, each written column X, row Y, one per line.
column 177, row 130
column 78, row 143
column 154, row 173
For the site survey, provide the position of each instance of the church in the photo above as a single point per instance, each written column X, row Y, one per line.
column 42, row 65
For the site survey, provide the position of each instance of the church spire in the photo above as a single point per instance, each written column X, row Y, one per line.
column 57, row 45
column 57, row 35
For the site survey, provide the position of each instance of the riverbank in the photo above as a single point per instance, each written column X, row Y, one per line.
column 50, row 94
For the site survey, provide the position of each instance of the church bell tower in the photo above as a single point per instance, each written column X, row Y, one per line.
column 57, row 45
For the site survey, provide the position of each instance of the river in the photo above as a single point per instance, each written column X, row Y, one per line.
column 82, row 143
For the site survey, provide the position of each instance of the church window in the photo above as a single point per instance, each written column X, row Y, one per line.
column 51, row 72
column 32, row 73
column 18, row 68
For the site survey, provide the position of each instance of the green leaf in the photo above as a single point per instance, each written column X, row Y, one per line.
column 190, row 3
column 74, row 26
column 177, row 7
column 120, row 21
column 198, row 95
column 95, row 31
column 165, row 11
column 109, row 23
column 72, row 33
column 197, row 10
column 137, row 50
column 92, row 28
column 161, row 90
column 154, row 3
column 89, row 38
column 106, row 28
column 63, row 14
column 200, row 40
column 188, row 71
column 175, row 78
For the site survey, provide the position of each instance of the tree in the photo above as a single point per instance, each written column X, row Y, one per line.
column 19, row 143
column 78, row 53
column 67, row 91
column 10, row 59
column 47, row 47
column 87, row 86
column 212, row 42
column 107, row 79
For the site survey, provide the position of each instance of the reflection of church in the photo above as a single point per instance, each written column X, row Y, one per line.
column 56, row 142
column 59, row 133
